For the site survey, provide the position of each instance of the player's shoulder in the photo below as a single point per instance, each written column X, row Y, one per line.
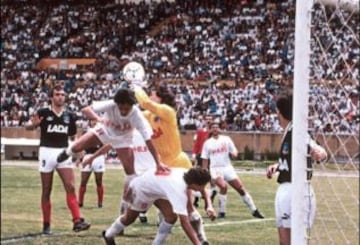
column 208, row 141
column 135, row 111
column 44, row 110
column 70, row 114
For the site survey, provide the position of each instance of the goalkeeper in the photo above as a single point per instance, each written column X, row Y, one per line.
column 161, row 114
column 283, row 194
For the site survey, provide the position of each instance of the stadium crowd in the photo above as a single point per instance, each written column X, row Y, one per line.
column 251, row 43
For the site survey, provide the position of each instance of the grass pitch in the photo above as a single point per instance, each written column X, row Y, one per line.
column 21, row 221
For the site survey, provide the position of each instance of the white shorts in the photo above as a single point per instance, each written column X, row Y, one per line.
column 138, row 200
column 47, row 160
column 227, row 173
column 97, row 166
column 283, row 206
column 119, row 141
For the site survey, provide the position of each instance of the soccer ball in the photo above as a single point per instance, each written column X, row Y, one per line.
column 134, row 72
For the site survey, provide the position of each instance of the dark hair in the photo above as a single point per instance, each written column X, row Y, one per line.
column 197, row 176
column 57, row 87
column 284, row 105
column 124, row 96
column 167, row 97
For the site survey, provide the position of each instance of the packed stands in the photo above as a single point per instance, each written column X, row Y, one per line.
column 195, row 45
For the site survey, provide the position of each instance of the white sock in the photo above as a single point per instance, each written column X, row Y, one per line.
column 115, row 228
column 249, row 202
column 197, row 224
column 222, row 203
column 163, row 232
column 160, row 217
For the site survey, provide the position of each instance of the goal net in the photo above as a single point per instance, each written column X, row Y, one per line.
column 333, row 119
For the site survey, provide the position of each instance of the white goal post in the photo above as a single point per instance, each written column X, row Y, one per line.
column 300, row 123
column 308, row 46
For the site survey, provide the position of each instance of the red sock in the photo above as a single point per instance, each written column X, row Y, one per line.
column 82, row 191
column 46, row 211
column 73, row 206
column 100, row 192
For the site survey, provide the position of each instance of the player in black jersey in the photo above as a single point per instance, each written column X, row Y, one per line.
column 96, row 165
column 283, row 193
column 56, row 126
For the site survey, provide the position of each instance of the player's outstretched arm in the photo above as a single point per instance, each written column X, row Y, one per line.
column 189, row 231
column 90, row 114
column 163, row 111
column 102, row 150
column 271, row 170
column 209, row 208
column 205, row 163
column 317, row 152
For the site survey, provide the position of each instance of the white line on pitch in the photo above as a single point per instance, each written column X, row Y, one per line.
column 30, row 237
column 248, row 221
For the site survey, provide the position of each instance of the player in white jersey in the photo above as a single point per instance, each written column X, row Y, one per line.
column 169, row 193
column 143, row 158
column 143, row 161
column 218, row 149
column 117, row 120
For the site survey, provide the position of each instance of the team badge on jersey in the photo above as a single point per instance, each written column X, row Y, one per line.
column 285, row 149
column 49, row 118
column 66, row 119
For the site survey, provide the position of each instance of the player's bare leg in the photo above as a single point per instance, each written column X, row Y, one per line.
column 213, row 191
column 221, row 183
column 126, row 156
column 119, row 225
column 99, row 188
column 86, row 141
column 68, row 179
column 284, row 235
column 46, row 187
column 246, row 197
column 196, row 220
column 82, row 189
column 168, row 222
column 124, row 204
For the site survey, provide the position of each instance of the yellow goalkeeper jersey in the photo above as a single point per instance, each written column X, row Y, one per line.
column 166, row 136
